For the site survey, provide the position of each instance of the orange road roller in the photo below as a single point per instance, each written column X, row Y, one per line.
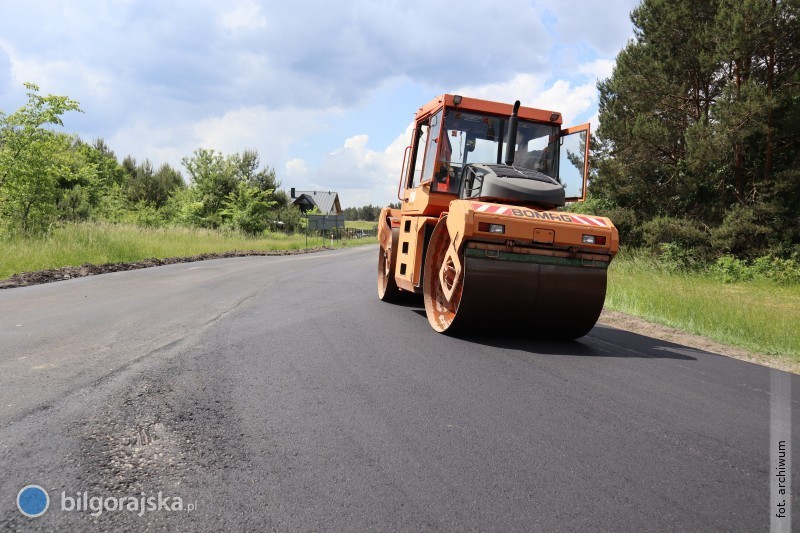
column 481, row 232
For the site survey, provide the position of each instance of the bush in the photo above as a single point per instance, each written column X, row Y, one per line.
column 741, row 234
column 247, row 209
column 145, row 215
column 287, row 219
column 673, row 256
column 677, row 241
column 74, row 204
column 729, row 269
column 627, row 223
column 114, row 206
column 784, row 271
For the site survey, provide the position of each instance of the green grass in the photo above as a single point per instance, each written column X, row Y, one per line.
column 360, row 224
column 76, row 244
column 761, row 316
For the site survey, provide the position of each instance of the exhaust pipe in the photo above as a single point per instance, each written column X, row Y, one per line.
column 511, row 140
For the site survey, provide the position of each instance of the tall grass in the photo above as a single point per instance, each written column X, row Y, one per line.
column 99, row 243
column 760, row 315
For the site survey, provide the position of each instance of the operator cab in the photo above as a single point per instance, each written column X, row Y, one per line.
column 458, row 150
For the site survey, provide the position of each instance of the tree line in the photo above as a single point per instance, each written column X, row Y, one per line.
column 698, row 147
column 370, row 213
column 47, row 177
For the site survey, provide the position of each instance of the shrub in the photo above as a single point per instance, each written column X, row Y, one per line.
column 678, row 241
column 247, row 209
column 741, row 234
column 673, row 256
column 287, row 219
column 627, row 223
column 114, row 205
column 784, row 271
column 730, row 269
column 146, row 216
column 74, row 204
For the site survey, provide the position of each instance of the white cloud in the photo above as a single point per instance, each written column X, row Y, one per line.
column 599, row 69
column 5, row 70
column 94, row 83
column 356, row 143
column 531, row 91
column 208, row 51
column 296, row 169
column 271, row 133
column 145, row 140
column 363, row 175
column 246, row 16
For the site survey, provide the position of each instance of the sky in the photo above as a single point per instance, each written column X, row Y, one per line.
column 324, row 90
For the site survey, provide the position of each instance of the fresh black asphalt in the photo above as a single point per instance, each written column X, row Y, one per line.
column 278, row 393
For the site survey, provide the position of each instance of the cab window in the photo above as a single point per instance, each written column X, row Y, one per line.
column 421, row 144
column 430, row 153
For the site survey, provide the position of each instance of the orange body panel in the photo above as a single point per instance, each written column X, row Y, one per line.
column 556, row 230
column 410, row 250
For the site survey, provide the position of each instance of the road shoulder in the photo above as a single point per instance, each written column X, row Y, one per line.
column 657, row 331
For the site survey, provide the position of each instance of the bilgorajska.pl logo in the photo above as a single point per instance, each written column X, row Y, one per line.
column 97, row 505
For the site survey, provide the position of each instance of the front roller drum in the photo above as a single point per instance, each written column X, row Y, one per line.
column 510, row 294
column 440, row 279
column 387, row 257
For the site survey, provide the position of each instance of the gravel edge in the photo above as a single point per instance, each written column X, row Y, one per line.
column 640, row 326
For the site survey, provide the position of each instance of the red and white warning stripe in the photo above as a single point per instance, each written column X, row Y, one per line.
column 494, row 209
column 491, row 209
column 588, row 221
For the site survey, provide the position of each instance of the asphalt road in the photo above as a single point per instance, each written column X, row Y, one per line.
column 278, row 393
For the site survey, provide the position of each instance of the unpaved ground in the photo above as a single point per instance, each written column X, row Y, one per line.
column 657, row 331
column 609, row 318
column 64, row 273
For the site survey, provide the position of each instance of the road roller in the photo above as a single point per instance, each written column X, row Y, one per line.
column 484, row 232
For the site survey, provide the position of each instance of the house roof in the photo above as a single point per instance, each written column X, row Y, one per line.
column 326, row 201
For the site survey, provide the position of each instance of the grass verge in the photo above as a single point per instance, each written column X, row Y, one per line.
column 761, row 316
column 360, row 224
column 77, row 244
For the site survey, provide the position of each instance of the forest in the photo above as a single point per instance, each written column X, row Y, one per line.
column 697, row 154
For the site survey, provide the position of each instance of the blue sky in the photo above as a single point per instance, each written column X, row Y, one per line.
column 325, row 91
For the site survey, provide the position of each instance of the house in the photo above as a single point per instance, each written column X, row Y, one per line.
column 326, row 201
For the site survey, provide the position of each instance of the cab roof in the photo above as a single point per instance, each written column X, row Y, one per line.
column 487, row 106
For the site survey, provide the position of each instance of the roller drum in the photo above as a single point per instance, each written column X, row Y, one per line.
column 522, row 294
column 543, row 300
